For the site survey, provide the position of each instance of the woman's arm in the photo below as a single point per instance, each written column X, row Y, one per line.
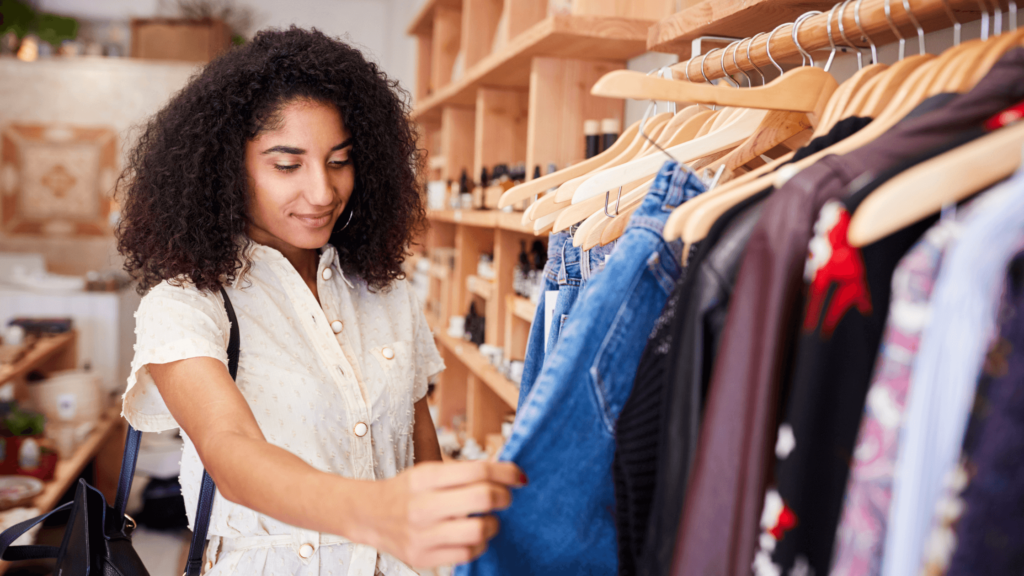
column 424, row 436
column 421, row 516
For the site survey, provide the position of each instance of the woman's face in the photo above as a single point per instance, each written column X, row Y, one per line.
column 301, row 177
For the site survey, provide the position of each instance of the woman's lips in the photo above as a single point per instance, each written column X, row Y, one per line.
column 314, row 220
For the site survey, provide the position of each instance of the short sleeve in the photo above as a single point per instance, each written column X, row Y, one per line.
column 428, row 362
column 172, row 323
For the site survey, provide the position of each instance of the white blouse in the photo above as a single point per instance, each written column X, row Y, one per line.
column 334, row 383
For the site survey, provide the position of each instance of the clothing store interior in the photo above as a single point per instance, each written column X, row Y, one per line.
column 738, row 285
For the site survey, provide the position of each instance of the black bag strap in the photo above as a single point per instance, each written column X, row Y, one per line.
column 14, row 553
column 206, row 490
column 195, row 550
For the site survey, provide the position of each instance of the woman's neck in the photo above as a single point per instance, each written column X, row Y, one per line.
column 306, row 261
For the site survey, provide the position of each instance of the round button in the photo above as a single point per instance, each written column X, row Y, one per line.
column 328, row 273
column 209, row 565
column 306, row 550
column 337, row 326
column 360, row 429
column 387, row 353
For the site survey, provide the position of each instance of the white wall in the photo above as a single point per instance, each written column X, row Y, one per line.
column 377, row 27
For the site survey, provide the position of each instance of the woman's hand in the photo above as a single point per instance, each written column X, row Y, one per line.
column 423, row 515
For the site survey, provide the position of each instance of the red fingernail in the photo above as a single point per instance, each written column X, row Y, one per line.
column 522, row 479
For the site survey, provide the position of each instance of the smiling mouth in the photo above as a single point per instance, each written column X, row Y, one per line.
column 314, row 220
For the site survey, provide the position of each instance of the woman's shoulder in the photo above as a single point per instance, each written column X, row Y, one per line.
column 179, row 296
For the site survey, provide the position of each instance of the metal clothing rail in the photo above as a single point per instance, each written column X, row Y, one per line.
column 863, row 22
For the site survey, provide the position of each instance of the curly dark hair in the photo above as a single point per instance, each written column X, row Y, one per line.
column 184, row 191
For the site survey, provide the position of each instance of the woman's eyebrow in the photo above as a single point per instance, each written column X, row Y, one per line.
column 284, row 150
column 299, row 151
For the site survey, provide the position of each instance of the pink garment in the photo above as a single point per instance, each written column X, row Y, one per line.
column 861, row 534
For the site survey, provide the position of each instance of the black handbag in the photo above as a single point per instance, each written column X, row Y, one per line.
column 97, row 540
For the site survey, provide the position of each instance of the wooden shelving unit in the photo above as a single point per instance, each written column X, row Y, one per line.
column 104, row 444
column 559, row 36
column 504, row 82
column 57, row 350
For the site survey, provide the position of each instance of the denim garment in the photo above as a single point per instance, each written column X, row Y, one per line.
column 563, row 521
column 569, row 271
column 535, row 341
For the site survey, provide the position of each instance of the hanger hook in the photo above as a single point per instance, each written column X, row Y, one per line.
column 756, row 67
column 796, row 33
column 1012, row 11
column 842, row 32
column 956, row 23
column 727, row 77
column 917, row 26
column 856, row 20
column 984, row 19
column 895, row 30
column 734, row 62
column 831, row 42
column 703, row 60
column 997, row 18
column 768, row 48
column 617, row 199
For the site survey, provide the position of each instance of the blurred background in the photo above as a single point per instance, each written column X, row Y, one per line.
column 77, row 79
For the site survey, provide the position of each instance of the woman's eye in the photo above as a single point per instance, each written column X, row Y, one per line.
column 288, row 168
column 340, row 163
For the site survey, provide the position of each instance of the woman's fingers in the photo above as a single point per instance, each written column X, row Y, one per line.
column 448, row 556
column 434, row 476
column 462, row 532
column 480, row 498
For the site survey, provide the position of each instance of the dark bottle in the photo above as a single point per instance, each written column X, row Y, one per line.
column 609, row 132
column 591, row 131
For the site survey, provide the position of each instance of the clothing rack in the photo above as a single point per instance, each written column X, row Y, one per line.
column 813, row 34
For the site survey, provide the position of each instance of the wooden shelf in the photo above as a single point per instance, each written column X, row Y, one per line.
column 562, row 36
column 523, row 308
column 511, row 221
column 468, row 354
column 736, row 18
column 68, row 469
column 482, row 287
column 424, row 18
column 43, row 350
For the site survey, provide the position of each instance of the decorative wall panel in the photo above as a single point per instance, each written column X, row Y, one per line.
column 57, row 180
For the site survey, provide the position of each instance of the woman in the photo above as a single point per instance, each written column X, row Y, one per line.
column 285, row 173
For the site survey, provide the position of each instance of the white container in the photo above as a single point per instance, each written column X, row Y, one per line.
column 69, row 396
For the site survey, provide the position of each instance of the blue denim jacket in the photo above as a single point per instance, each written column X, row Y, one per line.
column 563, row 521
column 567, row 270
column 535, row 341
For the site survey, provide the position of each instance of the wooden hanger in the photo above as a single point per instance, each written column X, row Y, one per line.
column 577, row 212
column 551, row 204
column 949, row 73
column 846, row 92
column 892, row 79
column 728, row 137
column 694, row 219
column 688, row 131
column 792, row 129
column 564, row 191
column 777, row 128
column 946, row 179
column 805, row 89
column 527, row 190
column 995, row 49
